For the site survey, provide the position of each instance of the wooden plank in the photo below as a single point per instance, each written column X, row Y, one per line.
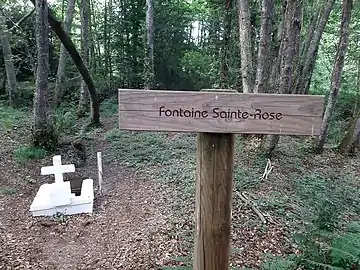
column 188, row 111
column 214, row 180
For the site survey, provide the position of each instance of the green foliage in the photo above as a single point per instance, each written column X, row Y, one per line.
column 45, row 137
column 25, row 153
column 10, row 118
column 64, row 121
column 279, row 263
column 345, row 250
column 198, row 67
column 326, row 250
column 109, row 107
column 325, row 199
column 7, row 191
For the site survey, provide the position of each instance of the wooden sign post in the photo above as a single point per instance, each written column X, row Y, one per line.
column 217, row 115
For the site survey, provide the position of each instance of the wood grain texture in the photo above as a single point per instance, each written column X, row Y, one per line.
column 214, row 177
column 292, row 114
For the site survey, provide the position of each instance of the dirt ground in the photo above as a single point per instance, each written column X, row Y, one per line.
column 132, row 226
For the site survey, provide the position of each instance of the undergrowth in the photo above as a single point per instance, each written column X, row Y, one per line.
column 11, row 118
column 26, row 153
column 319, row 202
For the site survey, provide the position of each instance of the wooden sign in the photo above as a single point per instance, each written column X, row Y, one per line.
column 187, row 111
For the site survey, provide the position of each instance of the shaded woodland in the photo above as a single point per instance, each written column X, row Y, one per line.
column 64, row 61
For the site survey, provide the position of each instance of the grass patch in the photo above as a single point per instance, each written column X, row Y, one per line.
column 11, row 118
column 7, row 191
column 26, row 153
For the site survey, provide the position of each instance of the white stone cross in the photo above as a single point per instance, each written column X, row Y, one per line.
column 58, row 169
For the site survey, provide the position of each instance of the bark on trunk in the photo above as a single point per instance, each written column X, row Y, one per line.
column 150, row 72
column 9, row 64
column 276, row 55
column 224, row 65
column 351, row 140
column 70, row 47
column 246, row 49
column 85, row 49
column 264, row 57
column 288, row 55
column 336, row 73
column 60, row 76
column 41, row 89
column 309, row 59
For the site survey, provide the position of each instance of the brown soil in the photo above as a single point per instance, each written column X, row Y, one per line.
column 132, row 227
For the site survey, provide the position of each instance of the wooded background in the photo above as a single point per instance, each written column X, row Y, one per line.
column 79, row 52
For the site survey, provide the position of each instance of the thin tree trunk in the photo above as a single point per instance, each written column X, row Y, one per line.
column 70, row 47
column 336, row 73
column 109, row 45
column 60, row 76
column 106, row 49
column 9, row 64
column 150, row 72
column 85, row 49
column 246, row 47
column 276, row 55
column 224, row 65
column 42, row 72
column 264, row 57
column 309, row 59
column 351, row 140
column 310, row 33
column 288, row 54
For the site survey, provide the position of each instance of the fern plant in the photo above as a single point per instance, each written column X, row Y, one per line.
column 345, row 250
column 325, row 250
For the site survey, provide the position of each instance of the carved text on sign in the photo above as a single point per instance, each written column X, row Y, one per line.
column 219, row 113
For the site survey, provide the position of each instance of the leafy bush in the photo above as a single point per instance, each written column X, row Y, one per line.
column 64, row 121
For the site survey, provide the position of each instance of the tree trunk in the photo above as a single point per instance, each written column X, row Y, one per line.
column 60, row 76
column 351, row 140
column 276, row 55
column 336, row 73
column 150, row 72
column 106, row 49
column 246, row 46
column 85, row 49
column 288, row 55
column 310, row 55
column 70, row 47
column 42, row 72
column 224, row 64
column 264, row 57
column 9, row 64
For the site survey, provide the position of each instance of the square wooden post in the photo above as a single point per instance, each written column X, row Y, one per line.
column 214, row 177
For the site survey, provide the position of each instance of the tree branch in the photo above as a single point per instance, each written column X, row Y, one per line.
column 22, row 19
column 70, row 47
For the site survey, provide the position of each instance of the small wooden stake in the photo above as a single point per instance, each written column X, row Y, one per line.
column 214, row 177
column 100, row 172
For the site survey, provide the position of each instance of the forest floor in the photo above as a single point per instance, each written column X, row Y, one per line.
column 145, row 217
